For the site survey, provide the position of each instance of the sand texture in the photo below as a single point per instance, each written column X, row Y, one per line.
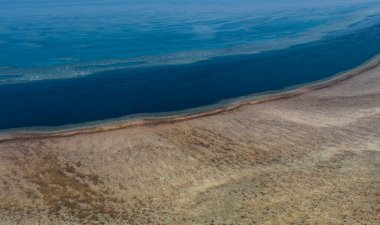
column 311, row 157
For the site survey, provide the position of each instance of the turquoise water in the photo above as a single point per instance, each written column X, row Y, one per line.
column 80, row 62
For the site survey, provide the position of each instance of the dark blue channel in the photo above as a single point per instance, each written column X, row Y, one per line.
column 119, row 93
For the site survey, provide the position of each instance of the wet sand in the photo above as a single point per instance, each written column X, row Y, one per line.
column 308, row 156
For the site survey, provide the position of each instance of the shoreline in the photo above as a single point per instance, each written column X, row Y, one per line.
column 224, row 106
column 307, row 156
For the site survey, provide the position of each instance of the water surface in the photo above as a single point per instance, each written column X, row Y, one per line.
column 81, row 61
column 155, row 89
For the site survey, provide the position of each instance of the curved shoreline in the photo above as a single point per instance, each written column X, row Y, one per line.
column 232, row 105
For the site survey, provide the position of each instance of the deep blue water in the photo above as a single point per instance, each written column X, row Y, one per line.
column 117, row 93
column 42, row 39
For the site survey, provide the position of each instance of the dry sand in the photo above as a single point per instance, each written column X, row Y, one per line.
column 311, row 156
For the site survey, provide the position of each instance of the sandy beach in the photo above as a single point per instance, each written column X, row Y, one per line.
column 307, row 156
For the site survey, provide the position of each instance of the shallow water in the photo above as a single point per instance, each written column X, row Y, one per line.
column 161, row 68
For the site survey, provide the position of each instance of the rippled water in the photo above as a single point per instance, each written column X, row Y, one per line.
column 123, row 59
column 58, row 39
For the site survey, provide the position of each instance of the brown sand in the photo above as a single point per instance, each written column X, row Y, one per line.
column 310, row 156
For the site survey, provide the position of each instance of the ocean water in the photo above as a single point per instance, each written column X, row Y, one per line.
column 75, row 62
